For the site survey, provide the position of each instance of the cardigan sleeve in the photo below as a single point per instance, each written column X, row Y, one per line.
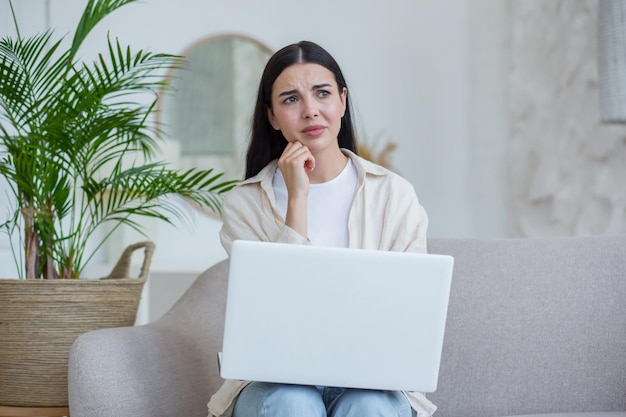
column 413, row 235
column 247, row 214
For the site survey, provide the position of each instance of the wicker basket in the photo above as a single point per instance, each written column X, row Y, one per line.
column 40, row 319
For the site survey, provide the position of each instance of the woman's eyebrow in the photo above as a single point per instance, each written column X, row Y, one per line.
column 288, row 93
column 295, row 91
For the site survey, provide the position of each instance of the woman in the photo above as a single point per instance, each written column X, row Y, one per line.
column 306, row 185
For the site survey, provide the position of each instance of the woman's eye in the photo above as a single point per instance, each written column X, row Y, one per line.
column 323, row 93
column 289, row 100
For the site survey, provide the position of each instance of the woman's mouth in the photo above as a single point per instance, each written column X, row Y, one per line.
column 314, row 130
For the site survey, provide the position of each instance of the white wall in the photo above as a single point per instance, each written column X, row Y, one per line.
column 488, row 110
column 429, row 75
column 408, row 63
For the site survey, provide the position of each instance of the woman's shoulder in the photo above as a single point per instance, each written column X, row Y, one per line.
column 265, row 175
column 251, row 188
column 380, row 175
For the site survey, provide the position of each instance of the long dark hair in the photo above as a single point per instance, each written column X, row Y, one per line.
column 266, row 143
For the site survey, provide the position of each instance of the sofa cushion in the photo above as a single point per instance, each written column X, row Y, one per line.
column 598, row 414
column 534, row 326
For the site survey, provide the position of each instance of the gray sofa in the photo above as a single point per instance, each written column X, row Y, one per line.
column 535, row 326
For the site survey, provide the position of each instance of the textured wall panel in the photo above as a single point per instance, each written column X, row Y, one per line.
column 568, row 171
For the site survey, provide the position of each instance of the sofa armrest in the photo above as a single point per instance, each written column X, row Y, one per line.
column 151, row 370
column 166, row 368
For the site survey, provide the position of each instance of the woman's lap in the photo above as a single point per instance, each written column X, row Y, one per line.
column 260, row 399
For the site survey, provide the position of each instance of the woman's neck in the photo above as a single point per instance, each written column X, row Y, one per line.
column 328, row 165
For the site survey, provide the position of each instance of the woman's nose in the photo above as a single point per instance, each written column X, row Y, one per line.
column 310, row 109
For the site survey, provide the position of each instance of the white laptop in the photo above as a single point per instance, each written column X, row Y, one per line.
column 335, row 317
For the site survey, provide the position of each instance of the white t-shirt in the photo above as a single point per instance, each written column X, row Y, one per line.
column 328, row 206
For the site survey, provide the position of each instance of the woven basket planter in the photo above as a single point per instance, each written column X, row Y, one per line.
column 40, row 319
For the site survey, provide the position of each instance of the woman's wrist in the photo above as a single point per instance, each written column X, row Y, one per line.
column 296, row 217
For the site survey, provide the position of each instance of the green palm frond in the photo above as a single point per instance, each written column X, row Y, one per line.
column 94, row 12
column 29, row 74
column 69, row 130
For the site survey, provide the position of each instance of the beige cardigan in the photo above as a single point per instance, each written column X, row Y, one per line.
column 385, row 215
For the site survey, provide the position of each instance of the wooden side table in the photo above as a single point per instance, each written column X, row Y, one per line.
column 34, row 411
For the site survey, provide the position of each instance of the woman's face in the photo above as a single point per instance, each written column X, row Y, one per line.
column 307, row 106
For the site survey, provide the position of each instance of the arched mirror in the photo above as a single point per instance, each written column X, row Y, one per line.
column 207, row 117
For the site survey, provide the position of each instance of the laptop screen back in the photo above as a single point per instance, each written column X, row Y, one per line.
column 335, row 317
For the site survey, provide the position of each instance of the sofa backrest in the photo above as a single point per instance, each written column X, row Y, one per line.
column 534, row 326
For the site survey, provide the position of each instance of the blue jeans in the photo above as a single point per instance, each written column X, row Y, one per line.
column 262, row 399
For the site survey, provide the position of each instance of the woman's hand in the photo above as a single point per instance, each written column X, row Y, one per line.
column 294, row 163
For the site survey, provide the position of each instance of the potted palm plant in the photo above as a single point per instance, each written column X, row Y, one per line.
column 77, row 149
